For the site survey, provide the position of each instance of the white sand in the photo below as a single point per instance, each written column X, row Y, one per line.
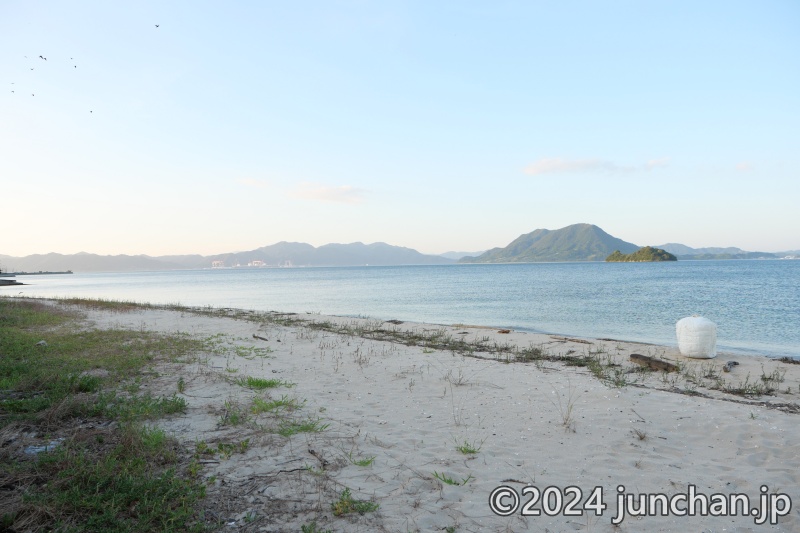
column 408, row 408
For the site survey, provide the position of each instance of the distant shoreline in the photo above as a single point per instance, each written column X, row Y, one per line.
column 39, row 273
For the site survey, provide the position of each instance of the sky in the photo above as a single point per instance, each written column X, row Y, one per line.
column 160, row 128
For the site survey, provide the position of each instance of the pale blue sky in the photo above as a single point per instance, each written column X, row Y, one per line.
column 433, row 125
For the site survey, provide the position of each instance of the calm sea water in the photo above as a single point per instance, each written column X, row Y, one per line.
column 756, row 304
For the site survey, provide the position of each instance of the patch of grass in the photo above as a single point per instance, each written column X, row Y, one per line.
column 288, row 428
column 566, row 406
column 532, row 353
column 127, row 481
column 251, row 352
column 119, row 476
column 233, row 414
column 366, row 461
column 227, row 449
column 30, row 314
column 346, row 504
column 456, row 377
column 267, row 406
column 450, row 481
column 103, row 304
column 749, row 388
column 469, row 448
column 261, row 383
column 144, row 407
column 777, row 376
column 312, row 528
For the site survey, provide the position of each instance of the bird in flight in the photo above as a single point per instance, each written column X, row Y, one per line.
column 157, row 25
column 42, row 57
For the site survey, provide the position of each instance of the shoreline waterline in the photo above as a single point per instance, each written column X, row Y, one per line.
column 756, row 305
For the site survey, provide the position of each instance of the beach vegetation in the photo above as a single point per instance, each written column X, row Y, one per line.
column 565, row 403
column 287, row 428
column 233, row 414
column 270, row 405
column 136, row 408
column 262, row 383
column 364, row 461
column 456, row 377
column 447, row 480
column 117, row 474
column 747, row 387
column 315, row 471
column 227, row 449
column 469, row 447
column 104, row 304
column 346, row 504
column 313, row 528
column 776, row 376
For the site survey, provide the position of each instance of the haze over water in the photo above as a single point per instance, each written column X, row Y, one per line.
column 756, row 304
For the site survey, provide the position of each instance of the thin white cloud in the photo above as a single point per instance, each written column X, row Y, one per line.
column 744, row 166
column 657, row 163
column 251, row 182
column 565, row 166
column 344, row 194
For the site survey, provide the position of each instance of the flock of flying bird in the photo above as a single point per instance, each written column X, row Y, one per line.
column 45, row 59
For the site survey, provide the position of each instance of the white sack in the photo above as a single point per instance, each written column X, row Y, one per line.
column 697, row 337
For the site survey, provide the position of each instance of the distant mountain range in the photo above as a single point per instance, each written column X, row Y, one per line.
column 587, row 242
column 281, row 254
column 685, row 252
column 458, row 255
column 578, row 242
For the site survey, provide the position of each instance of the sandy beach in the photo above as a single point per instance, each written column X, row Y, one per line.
column 419, row 436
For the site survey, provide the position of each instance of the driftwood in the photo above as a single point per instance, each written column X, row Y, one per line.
column 729, row 366
column 652, row 362
column 504, row 331
column 259, row 338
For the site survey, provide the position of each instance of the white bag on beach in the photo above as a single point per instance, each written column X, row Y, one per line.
column 697, row 337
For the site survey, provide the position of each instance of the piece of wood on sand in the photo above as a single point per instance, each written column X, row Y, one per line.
column 729, row 365
column 652, row 362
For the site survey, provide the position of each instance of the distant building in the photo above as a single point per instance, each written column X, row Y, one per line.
column 256, row 263
column 217, row 264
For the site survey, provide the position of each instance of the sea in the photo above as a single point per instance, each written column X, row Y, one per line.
column 755, row 303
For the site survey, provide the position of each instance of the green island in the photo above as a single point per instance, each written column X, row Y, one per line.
column 642, row 255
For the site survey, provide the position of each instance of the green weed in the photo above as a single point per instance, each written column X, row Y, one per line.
column 347, row 504
column 261, row 383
